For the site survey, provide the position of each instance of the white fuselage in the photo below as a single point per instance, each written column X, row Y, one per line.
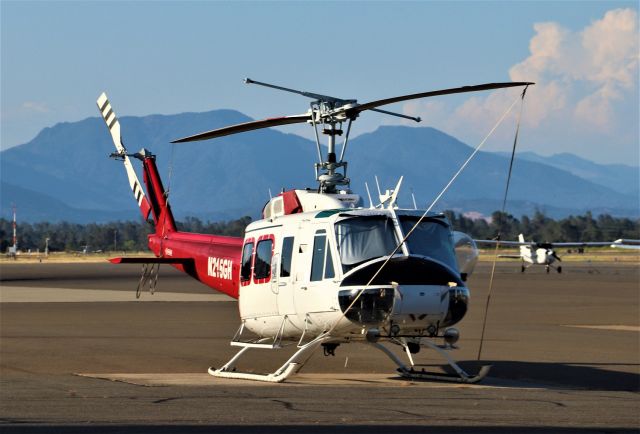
column 539, row 256
column 302, row 270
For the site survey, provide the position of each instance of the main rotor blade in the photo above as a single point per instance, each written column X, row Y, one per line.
column 488, row 86
column 247, row 126
column 317, row 96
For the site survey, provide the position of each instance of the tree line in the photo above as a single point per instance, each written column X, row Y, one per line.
column 114, row 236
column 542, row 228
column 132, row 235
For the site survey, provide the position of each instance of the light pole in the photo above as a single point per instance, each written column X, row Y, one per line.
column 115, row 240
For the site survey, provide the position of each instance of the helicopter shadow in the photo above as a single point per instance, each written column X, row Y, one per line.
column 589, row 376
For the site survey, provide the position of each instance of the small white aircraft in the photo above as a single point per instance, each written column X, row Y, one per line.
column 532, row 253
column 624, row 243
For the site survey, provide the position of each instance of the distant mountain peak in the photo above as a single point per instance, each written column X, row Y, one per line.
column 231, row 176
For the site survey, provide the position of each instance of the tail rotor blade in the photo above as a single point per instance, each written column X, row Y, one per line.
column 114, row 128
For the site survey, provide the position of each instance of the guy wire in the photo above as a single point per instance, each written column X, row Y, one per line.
column 504, row 205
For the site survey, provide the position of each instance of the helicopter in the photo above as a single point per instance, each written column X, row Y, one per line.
column 319, row 268
column 532, row 253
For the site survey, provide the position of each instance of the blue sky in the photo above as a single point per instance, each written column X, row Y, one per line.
column 171, row 57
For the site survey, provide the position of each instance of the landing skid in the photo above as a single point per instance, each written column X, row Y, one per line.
column 289, row 368
column 460, row 376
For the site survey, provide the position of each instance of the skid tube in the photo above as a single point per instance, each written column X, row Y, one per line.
column 289, row 368
column 410, row 373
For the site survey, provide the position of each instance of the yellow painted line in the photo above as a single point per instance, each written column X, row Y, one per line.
column 625, row 328
column 19, row 294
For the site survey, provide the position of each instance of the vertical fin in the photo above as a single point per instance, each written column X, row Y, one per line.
column 114, row 129
column 524, row 250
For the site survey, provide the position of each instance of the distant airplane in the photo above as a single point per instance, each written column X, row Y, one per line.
column 85, row 250
column 532, row 253
column 624, row 243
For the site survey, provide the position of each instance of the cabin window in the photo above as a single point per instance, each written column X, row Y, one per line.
column 245, row 270
column 262, row 265
column 287, row 253
column 322, row 261
column 361, row 239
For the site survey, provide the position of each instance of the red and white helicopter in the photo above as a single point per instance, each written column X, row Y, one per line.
column 319, row 269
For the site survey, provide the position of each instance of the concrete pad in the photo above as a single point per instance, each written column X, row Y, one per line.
column 299, row 380
column 20, row 294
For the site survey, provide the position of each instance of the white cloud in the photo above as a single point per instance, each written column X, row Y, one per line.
column 610, row 47
column 586, row 81
column 35, row 107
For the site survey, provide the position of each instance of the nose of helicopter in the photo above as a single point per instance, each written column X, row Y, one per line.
column 410, row 295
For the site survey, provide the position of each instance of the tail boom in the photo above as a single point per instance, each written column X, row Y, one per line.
column 212, row 259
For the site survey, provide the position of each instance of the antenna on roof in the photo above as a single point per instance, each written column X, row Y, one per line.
column 369, row 195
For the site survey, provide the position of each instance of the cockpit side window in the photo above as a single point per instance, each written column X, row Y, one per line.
column 328, row 264
column 322, row 261
column 319, row 248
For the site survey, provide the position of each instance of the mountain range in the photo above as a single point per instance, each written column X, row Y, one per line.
column 64, row 173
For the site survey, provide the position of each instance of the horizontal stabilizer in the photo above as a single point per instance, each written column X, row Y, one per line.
column 152, row 260
column 626, row 246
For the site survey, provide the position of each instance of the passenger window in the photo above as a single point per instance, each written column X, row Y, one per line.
column 245, row 270
column 262, row 266
column 287, row 252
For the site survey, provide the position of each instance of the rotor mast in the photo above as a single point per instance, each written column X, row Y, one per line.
column 327, row 173
column 323, row 112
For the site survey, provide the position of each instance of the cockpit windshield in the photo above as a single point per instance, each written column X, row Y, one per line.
column 360, row 239
column 431, row 238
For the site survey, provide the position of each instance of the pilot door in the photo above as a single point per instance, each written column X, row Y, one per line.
column 315, row 273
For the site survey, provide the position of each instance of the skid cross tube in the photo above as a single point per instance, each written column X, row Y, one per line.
column 410, row 373
column 290, row 367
